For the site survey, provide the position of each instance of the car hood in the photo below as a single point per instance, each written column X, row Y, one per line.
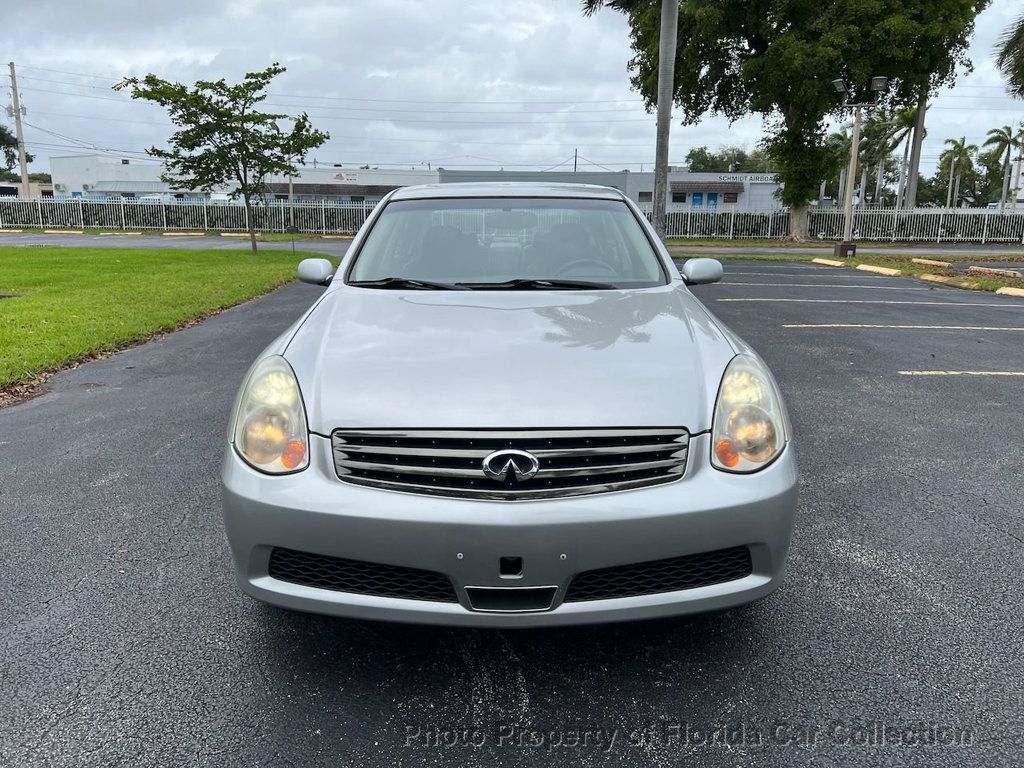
column 499, row 359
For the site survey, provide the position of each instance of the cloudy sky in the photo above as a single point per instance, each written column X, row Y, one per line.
column 398, row 83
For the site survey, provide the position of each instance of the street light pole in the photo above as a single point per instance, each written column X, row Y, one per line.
column 851, row 174
column 846, row 248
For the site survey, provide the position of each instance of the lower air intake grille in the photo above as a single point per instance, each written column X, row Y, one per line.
column 359, row 577
column 559, row 462
column 657, row 576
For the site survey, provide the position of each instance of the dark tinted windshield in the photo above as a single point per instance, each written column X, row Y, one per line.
column 477, row 241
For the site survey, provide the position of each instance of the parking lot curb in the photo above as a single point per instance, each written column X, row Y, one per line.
column 117, row 234
column 829, row 262
column 234, row 234
column 879, row 270
column 931, row 262
column 995, row 271
column 1011, row 292
column 12, row 231
column 63, row 232
column 955, row 282
column 183, row 234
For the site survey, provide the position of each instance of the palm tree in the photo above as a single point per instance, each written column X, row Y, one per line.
column 1010, row 57
column 1002, row 141
column 960, row 157
column 882, row 135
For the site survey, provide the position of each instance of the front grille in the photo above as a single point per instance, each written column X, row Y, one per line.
column 571, row 462
column 359, row 577
column 657, row 576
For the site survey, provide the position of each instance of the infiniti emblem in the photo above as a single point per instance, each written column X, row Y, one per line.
column 502, row 464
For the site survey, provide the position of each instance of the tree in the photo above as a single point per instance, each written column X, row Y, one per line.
column 959, row 160
column 9, row 148
column 727, row 160
column 222, row 138
column 1003, row 142
column 1010, row 57
column 778, row 58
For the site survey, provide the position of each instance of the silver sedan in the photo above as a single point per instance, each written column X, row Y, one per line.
column 508, row 409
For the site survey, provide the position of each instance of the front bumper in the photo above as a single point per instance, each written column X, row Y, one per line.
column 312, row 511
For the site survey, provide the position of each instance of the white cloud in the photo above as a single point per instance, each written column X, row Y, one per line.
column 452, row 82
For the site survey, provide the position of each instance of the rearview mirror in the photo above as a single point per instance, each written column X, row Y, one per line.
column 701, row 271
column 510, row 220
column 316, row 271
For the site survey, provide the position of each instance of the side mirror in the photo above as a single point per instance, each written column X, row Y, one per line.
column 701, row 271
column 316, row 271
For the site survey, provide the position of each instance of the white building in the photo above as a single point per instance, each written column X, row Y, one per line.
column 99, row 177
column 687, row 191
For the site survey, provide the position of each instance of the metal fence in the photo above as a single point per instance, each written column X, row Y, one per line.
column 126, row 215
column 921, row 224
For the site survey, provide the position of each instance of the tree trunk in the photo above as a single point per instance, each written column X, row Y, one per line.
column 949, row 189
column 1016, row 184
column 251, row 224
column 798, row 223
column 1006, row 180
column 862, row 197
column 879, row 171
column 915, row 152
column 901, row 188
column 841, row 194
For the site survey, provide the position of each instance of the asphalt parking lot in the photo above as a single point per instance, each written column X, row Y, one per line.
column 125, row 642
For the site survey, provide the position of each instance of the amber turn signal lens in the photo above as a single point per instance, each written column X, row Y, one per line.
column 293, row 454
column 726, row 453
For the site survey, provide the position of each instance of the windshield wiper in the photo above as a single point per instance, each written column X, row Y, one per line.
column 535, row 284
column 407, row 282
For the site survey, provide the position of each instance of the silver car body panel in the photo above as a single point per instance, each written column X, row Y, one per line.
column 406, row 359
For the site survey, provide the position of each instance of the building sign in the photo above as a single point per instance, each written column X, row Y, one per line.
column 754, row 178
column 351, row 178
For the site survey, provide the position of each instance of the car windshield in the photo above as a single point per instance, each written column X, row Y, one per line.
column 507, row 243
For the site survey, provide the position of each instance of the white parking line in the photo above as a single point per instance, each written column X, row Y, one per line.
column 823, row 273
column 833, row 285
column 961, row 373
column 881, row 301
column 905, row 327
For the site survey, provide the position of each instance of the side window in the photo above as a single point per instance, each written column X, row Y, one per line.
column 646, row 197
column 678, row 197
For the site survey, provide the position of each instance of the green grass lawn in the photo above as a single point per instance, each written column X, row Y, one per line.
column 73, row 303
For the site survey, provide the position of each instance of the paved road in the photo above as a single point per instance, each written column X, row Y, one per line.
column 123, row 641
column 338, row 247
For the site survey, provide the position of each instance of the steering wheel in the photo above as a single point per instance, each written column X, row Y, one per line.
column 586, row 263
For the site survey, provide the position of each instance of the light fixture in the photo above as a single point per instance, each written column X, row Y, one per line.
column 839, row 85
column 879, row 84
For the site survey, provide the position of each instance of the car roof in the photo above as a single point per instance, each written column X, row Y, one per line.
column 507, row 189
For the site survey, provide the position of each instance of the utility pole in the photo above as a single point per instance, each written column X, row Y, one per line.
column 666, row 87
column 575, row 156
column 19, row 133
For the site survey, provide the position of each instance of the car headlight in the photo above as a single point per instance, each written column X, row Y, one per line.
column 270, row 423
column 749, row 428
